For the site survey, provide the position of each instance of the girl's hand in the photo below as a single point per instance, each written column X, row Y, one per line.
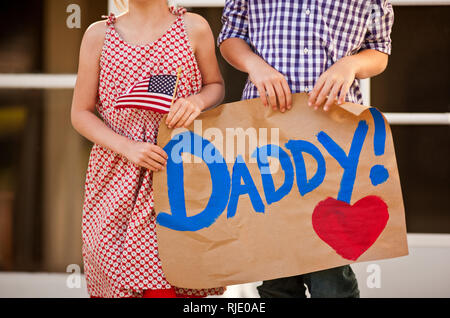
column 333, row 84
column 146, row 155
column 271, row 84
column 183, row 112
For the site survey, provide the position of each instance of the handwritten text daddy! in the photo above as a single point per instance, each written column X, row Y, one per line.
column 227, row 188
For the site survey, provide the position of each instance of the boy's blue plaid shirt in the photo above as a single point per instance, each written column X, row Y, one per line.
column 302, row 39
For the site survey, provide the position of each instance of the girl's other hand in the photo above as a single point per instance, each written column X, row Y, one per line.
column 146, row 155
column 183, row 112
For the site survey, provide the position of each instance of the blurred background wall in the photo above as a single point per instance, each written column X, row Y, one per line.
column 43, row 160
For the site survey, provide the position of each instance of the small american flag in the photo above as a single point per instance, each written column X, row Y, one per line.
column 153, row 93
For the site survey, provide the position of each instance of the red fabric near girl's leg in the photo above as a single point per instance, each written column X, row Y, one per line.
column 189, row 296
column 159, row 293
column 97, row 297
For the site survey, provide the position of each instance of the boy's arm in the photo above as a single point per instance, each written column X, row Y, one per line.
column 371, row 60
column 234, row 46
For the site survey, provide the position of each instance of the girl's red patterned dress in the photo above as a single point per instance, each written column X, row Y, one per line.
column 120, row 248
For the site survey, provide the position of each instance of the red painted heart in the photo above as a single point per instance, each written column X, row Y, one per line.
column 350, row 229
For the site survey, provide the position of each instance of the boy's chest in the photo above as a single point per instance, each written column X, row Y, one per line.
column 337, row 25
column 329, row 12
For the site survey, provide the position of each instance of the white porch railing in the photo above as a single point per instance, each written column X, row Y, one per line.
column 67, row 81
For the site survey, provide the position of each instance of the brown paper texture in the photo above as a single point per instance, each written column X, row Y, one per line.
column 296, row 234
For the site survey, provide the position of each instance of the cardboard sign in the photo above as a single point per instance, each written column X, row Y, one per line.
column 253, row 194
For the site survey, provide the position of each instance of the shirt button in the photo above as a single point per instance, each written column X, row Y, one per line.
column 305, row 50
column 307, row 11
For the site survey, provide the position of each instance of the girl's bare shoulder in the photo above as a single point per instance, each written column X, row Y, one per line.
column 94, row 36
column 196, row 25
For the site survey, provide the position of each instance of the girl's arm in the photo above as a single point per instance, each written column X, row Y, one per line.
column 83, row 116
column 185, row 110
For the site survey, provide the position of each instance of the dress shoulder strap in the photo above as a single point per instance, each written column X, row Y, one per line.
column 111, row 19
column 177, row 10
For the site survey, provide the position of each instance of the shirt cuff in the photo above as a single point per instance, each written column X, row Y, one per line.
column 228, row 34
column 384, row 47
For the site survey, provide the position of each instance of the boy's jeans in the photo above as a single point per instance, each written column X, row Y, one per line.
column 338, row 282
